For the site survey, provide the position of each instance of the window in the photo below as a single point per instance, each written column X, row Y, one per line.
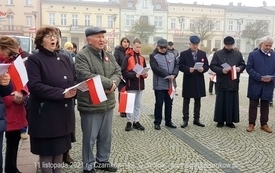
column 10, row 2
column 238, row 26
column 130, row 4
column 99, row 21
column 28, row 2
column 218, row 43
column 218, row 25
column 182, row 23
column 74, row 20
column 63, row 19
column 158, row 21
column 29, row 20
column 144, row 4
column 191, row 24
column 158, row 6
column 130, row 20
column 230, row 25
column 10, row 21
column 173, row 23
column 110, row 22
column 87, row 20
column 51, row 18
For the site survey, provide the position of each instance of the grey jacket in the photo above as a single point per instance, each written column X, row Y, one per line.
column 163, row 65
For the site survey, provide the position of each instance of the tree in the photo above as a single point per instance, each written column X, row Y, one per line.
column 142, row 29
column 255, row 30
column 203, row 27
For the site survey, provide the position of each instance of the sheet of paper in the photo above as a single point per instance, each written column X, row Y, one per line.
column 138, row 69
column 226, row 66
column 198, row 65
column 4, row 68
column 268, row 76
column 168, row 77
column 145, row 70
column 82, row 86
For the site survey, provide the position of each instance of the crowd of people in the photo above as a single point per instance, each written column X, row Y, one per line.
column 47, row 106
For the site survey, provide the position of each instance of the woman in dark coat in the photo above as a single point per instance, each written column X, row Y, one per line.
column 120, row 53
column 51, row 113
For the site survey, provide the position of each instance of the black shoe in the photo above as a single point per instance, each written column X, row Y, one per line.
column 123, row 115
column 91, row 171
column 171, row 125
column 138, row 126
column 271, row 104
column 220, row 124
column 157, row 127
column 198, row 123
column 231, row 125
column 128, row 126
column 185, row 124
column 106, row 166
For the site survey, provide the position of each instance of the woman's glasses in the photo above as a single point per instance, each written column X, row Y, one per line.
column 51, row 36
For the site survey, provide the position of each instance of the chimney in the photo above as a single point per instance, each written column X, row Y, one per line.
column 239, row 4
column 231, row 3
column 195, row 2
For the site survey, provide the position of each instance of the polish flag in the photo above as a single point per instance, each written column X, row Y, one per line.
column 96, row 90
column 233, row 72
column 171, row 91
column 18, row 73
column 126, row 102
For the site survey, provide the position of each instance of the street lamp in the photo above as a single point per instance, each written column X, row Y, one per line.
column 239, row 28
column 114, row 17
column 35, row 16
column 181, row 20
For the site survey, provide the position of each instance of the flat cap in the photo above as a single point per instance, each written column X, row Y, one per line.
column 170, row 43
column 94, row 30
column 228, row 40
column 194, row 39
column 162, row 42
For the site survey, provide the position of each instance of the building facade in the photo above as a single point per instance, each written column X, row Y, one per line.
column 183, row 18
column 19, row 17
column 73, row 17
column 238, row 16
column 152, row 12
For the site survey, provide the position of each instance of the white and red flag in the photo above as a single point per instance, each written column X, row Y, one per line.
column 97, row 93
column 172, row 91
column 126, row 102
column 18, row 73
column 233, row 72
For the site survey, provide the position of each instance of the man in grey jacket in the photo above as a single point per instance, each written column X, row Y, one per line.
column 163, row 64
column 96, row 119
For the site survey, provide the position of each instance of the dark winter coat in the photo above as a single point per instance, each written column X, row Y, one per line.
column 120, row 54
column 193, row 85
column 260, row 64
column 49, row 114
column 223, row 81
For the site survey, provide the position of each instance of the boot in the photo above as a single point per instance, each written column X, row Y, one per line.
column 67, row 158
column 185, row 123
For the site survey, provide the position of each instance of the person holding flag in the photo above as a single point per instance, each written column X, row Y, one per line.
column 165, row 68
column 96, row 111
column 227, row 83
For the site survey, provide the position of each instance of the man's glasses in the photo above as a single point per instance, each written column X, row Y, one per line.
column 163, row 47
column 51, row 36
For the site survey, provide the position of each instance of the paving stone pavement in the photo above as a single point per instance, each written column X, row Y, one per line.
column 189, row 150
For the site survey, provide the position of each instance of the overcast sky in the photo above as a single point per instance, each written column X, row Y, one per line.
column 208, row 2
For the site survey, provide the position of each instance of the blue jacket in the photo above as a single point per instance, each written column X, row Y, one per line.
column 260, row 64
column 4, row 91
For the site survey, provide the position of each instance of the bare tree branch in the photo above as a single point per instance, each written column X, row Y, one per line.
column 203, row 27
column 142, row 29
column 255, row 30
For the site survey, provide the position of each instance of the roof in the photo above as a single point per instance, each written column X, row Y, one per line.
column 163, row 3
column 244, row 9
column 80, row 2
column 195, row 5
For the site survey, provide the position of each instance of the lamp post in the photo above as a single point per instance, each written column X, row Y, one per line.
column 181, row 20
column 114, row 17
column 239, row 24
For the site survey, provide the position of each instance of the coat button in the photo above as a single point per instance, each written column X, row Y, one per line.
column 66, row 105
column 58, row 58
column 65, row 77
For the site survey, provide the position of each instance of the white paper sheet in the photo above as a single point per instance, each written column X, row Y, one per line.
column 4, row 68
column 226, row 66
column 198, row 65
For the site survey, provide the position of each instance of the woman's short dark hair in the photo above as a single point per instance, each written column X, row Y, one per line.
column 40, row 34
column 124, row 38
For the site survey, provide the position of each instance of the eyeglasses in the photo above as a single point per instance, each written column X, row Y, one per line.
column 163, row 47
column 51, row 36
column 13, row 54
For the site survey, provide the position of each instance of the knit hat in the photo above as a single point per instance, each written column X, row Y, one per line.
column 9, row 43
column 68, row 45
